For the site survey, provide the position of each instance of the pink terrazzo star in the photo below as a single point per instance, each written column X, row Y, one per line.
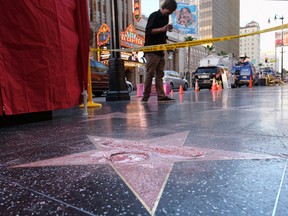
column 144, row 165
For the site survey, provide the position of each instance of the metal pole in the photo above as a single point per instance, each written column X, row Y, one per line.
column 282, row 50
column 115, row 42
column 117, row 85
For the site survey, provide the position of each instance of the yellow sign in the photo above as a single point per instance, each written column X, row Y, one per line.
column 130, row 38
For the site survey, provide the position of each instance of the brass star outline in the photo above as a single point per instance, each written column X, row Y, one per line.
column 114, row 115
column 144, row 165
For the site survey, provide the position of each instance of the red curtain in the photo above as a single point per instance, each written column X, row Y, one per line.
column 44, row 48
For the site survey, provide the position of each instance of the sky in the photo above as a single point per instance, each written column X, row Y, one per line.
column 250, row 10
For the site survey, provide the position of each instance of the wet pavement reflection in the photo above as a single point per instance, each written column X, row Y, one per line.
column 209, row 153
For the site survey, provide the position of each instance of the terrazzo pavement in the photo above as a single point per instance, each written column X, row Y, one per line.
column 208, row 153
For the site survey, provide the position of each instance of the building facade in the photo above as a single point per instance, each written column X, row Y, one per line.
column 100, row 13
column 250, row 46
column 181, row 60
column 218, row 18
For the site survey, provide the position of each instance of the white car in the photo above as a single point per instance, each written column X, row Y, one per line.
column 173, row 78
column 130, row 87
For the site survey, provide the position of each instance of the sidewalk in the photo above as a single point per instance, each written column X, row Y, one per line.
column 208, row 153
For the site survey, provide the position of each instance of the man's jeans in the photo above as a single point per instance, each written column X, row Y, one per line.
column 154, row 67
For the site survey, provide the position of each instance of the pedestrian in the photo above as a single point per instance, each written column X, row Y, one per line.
column 155, row 34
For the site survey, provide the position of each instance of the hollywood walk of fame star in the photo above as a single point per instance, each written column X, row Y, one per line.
column 144, row 165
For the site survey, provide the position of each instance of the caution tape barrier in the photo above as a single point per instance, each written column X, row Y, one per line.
column 178, row 45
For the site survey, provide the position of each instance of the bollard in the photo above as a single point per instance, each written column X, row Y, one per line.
column 140, row 90
column 166, row 87
column 153, row 90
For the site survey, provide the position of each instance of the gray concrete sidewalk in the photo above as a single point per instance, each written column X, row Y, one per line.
column 208, row 153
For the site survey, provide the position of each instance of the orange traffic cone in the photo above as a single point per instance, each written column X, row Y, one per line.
column 219, row 86
column 214, row 95
column 181, row 98
column 196, row 86
column 214, row 85
column 250, row 82
column 181, row 90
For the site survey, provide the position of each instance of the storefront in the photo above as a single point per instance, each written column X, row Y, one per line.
column 132, row 60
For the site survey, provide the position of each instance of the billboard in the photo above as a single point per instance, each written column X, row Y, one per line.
column 185, row 18
column 278, row 38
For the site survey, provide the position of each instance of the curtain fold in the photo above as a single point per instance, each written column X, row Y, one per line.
column 44, row 48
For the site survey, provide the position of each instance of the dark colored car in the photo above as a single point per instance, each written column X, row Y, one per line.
column 100, row 78
column 206, row 74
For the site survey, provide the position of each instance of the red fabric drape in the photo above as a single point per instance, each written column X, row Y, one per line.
column 84, row 36
column 43, row 54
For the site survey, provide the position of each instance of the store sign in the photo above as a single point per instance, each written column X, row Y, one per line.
column 103, row 35
column 103, row 39
column 130, row 38
column 129, row 56
column 104, row 54
column 137, row 10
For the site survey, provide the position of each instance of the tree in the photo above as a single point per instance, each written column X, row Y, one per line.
column 189, row 38
column 209, row 48
column 222, row 53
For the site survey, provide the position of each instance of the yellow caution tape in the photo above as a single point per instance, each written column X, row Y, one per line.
column 178, row 45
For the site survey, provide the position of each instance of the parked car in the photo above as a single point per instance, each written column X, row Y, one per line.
column 243, row 72
column 100, row 78
column 130, row 87
column 173, row 78
column 206, row 74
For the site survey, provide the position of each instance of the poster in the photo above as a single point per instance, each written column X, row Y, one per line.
column 185, row 18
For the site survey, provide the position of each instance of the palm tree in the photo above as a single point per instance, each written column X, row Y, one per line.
column 222, row 53
column 209, row 48
column 189, row 38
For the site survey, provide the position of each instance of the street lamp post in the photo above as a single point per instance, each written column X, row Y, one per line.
column 117, row 85
column 282, row 41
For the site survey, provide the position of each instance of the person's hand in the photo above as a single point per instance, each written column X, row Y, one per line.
column 169, row 27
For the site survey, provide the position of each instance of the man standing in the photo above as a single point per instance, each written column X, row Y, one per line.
column 155, row 33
